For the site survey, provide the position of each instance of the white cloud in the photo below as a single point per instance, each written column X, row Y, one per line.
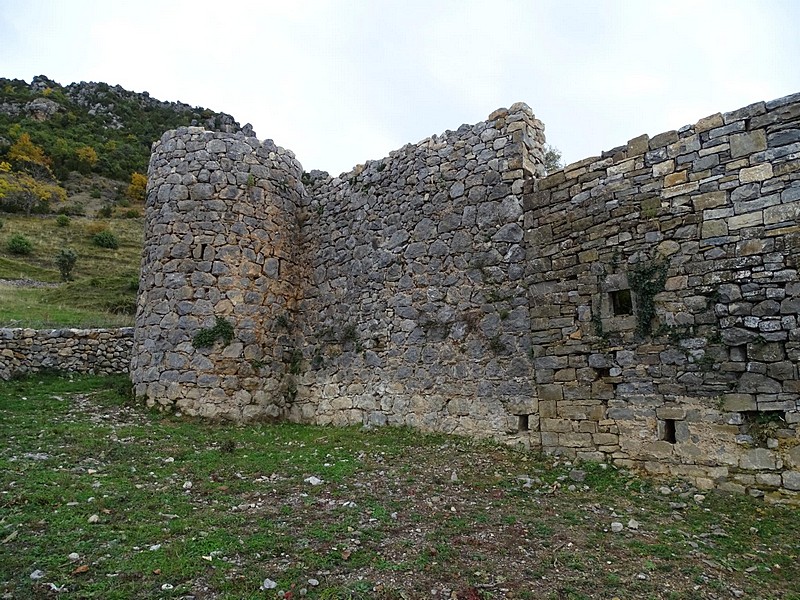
column 340, row 82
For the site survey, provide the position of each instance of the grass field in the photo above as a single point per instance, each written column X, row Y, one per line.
column 103, row 290
column 103, row 499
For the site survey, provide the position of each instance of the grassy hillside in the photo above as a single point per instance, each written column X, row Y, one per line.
column 80, row 150
column 104, row 499
column 104, row 280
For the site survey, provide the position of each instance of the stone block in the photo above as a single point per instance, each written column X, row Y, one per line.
column 756, row 173
column 758, row 383
column 791, row 480
column 793, row 457
column 675, row 179
column 769, row 352
column 550, row 392
column 662, row 139
column 671, row 412
column 738, row 402
column 713, row 229
column 768, row 479
column 781, row 213
column 710, row 200
column 657, row 449
column 556, row 425
column 753, row 219
column 575, row 440
column 679, row 190
column 663, row 168
column 605, row 439
column 709, row 123
column 638, row 145
column 758, row 459
column 744, row 144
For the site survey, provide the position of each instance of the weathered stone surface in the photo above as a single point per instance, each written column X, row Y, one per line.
column 637, row 306
column 744, row 144
column 101, row 351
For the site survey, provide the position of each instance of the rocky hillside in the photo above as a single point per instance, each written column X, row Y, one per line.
column 94, row 127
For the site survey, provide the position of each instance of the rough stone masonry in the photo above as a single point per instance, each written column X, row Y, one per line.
column 639, row 307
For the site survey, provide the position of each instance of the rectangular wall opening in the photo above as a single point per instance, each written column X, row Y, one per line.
column 523, row 423
column 738, row 353
column 621, row 302
column 668, row 432
column 603, row 372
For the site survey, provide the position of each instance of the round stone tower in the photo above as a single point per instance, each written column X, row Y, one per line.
column 220, row 276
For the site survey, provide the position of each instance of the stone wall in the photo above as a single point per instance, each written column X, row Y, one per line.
column 100, row 351
column 416, row 313
column 222, row 244
column 640, row 306
column 665, row 300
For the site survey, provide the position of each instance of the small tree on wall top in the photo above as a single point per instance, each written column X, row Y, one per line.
column 552, row 159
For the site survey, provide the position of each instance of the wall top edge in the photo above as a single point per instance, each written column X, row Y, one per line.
column 14, row 332
column 644, row 143
column 517, row 111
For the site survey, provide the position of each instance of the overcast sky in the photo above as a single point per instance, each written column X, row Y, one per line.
column 340, row 82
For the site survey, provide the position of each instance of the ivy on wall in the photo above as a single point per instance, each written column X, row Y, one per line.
column 646, row 280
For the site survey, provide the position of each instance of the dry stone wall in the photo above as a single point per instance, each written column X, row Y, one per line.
column 221, row 247
column 416, row 313
column 665, row 300
column 641, row 306
column 99, row 351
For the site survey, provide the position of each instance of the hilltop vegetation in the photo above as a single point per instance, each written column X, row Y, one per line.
column 94, row 127
column 79, row 151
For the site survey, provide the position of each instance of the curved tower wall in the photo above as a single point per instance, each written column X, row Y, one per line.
column 221, row 226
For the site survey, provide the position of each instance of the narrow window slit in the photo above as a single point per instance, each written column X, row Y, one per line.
column 669, row 431
column 523, row 423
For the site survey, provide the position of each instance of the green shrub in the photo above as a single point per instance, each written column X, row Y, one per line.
column 62, row 220
column 105, row 239
column 19, row 244
column 65, row 260
column 132, row 214
column 222, row 330
column 76, row 209
column 106, row 211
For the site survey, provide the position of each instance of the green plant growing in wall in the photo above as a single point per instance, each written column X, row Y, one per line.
column 283, row 322
column 762, row 426
column 295, row 361
column 349, row 334
column 257, row 365
column 647, row 279
column 207, row 337
column 318, row 360
column 290, row 393
column 497, row 345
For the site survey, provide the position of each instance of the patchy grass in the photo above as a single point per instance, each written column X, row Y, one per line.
column 155, row 506
column 103, row 292
column 53, row 308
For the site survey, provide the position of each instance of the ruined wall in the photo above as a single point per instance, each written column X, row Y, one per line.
column 665, row 300
column 641, row 306
column 416, row 313
column 221, row 243
column 25, row 351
